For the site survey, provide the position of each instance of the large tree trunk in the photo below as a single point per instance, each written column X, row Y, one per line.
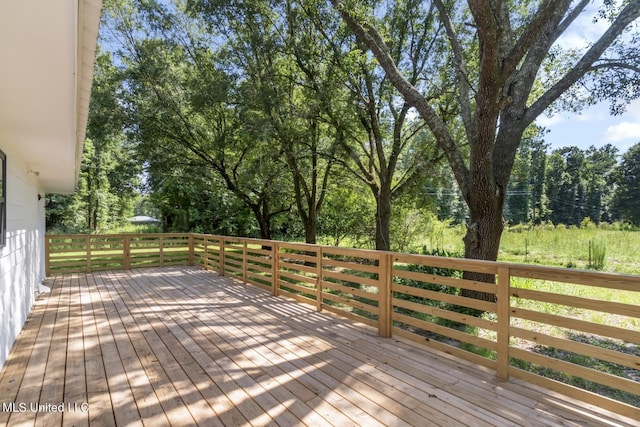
column 383, row 220
column 482, row 239
column 265, row 228
column 310, row 229
column 307, row 211
column 308, row 215
column 261, row 212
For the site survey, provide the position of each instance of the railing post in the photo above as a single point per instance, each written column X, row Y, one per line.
column 47, row 255
column 191, row 249
column 205, row 254
column 275, row 268
column 385, row 267
column 319, row 256
column 502, row 357
column 244, row 261
column 221, row 256
column 126, row 252
column 87, row 246
column 161, row 243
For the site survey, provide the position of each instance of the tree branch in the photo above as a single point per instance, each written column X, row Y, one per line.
column 461, row 71
column 630, row 13
column 614, row 64
column 571, row 16
column 369, row 35
column 549, row 13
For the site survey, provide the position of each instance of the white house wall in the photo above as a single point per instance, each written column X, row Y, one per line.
column 22, row 259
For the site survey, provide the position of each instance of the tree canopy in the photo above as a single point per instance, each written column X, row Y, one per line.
column 351, row 120
column 502, row 59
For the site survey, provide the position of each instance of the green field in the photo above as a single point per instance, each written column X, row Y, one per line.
column 558, row 246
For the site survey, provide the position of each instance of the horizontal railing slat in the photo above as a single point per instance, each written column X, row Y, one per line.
column 351, row 278
column 447, row 332
column 629, row 360
column 348, row 290
column 447, row 281
column 577, row 370
column 445, row 314
column 628, row 335
column 439, row 296
column 578, row 302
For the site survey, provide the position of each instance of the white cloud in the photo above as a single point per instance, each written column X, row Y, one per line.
column 622, row 131
column 546, row 121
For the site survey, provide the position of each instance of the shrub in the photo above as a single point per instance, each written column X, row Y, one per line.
column 597, row 252
column 438, row 271
column 586, row 223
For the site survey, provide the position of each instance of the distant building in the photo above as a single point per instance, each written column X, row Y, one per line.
column 143, row 220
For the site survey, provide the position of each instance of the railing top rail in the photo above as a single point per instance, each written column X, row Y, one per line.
column 116, row 235
column 561, row 274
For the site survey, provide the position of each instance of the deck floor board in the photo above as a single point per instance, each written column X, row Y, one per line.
column 184, row 346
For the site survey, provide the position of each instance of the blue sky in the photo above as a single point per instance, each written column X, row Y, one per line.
column 594, row 126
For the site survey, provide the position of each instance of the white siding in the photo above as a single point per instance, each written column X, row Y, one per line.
column 22, row 259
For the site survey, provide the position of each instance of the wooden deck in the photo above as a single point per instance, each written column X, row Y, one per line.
column 183, row 346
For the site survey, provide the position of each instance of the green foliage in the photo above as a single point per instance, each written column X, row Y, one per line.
column 347, row 215
column 565, row 187
column 587, row 223
column 438, row 271
column 196, row 119
column 138, row 229
column 65, row 214
column 189, row 200
column 560, row 246
column 108, row 178
column 497, row 88
column 626, row 200
column 597, row 253
column 526, row 195
column 408, row 227
column 389, row 150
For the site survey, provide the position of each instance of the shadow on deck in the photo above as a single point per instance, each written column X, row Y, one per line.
column 183, row 346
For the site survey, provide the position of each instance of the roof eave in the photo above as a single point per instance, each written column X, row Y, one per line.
column 89, row 12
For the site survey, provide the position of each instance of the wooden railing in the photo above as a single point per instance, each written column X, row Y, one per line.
column 535, row 330
column 89, row 252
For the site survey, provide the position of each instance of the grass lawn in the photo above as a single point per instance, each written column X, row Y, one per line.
column 556, row 246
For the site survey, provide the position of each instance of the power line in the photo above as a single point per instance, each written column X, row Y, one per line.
column 453, row 192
